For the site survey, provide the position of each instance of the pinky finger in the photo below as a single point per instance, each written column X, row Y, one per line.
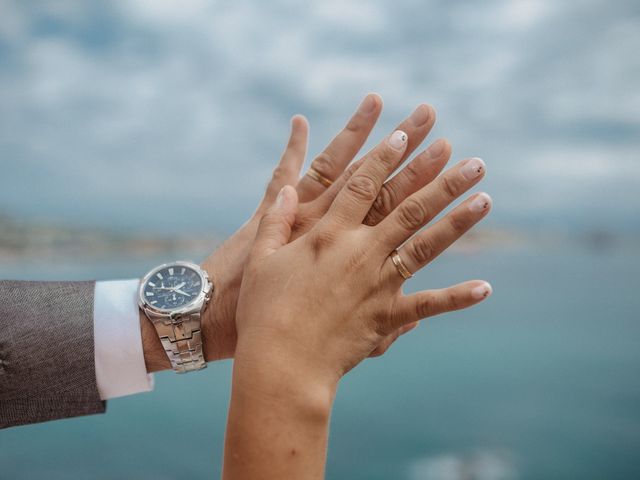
column 429, row 303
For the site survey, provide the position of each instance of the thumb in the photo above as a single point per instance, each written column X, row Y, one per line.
column 274, row 230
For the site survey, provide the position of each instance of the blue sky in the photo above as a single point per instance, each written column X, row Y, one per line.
column 172, row 114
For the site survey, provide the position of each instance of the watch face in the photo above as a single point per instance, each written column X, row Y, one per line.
column 172, row 287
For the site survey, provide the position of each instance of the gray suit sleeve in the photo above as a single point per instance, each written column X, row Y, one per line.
column 47, row 367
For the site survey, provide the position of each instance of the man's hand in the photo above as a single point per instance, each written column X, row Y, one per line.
column 226, row 264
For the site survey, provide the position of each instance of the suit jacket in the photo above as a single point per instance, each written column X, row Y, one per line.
column 47, row 368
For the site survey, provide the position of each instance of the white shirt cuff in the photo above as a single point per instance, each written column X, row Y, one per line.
column 119, row 358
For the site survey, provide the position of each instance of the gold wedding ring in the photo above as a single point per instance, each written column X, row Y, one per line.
column 318, row 177
column 400, row 266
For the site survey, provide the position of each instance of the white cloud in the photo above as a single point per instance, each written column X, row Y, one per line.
column 201, row 92
column 522, row 14
column 502, row 16
column 168, row 13
column 13, row 24
column 587, row 164
column 363, row 17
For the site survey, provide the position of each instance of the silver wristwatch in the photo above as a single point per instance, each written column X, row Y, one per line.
column 174, row 296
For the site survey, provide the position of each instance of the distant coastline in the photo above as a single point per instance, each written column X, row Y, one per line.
column 53, row 241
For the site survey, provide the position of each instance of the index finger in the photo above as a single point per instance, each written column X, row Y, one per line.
column 354, row 201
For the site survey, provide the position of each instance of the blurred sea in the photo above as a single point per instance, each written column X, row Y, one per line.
column 539, row 382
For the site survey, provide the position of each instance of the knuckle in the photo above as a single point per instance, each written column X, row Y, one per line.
column 294, row 142
column 355, row 263
column 412, row 172
column 412, row 214
column 321, row 240
column 357, row 260
column 270, row 222
column 353, row 126
column 382, row 205
column 350, row 171
column 457, row 223
column 270, row 217
column 453, row 301
column 363, row 187
column 424, row 308
column 279, row 173
column 352, row 168
column 448, row 187
column 386, row 156
column 421, row 249
column 323, row 164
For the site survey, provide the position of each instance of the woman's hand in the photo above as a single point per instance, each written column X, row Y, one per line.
column 226, row 264
column 332, row 295
column 313, row 308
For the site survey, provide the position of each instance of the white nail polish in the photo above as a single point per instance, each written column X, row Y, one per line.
column 481, row 291
column 398, row 139
column 481, row 203
column 473, row 168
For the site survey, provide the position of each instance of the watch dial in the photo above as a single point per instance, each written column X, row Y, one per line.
column 172, row 287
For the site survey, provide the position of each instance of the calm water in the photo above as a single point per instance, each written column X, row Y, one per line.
column 539, row 382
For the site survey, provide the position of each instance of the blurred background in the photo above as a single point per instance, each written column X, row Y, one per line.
column 105, row 107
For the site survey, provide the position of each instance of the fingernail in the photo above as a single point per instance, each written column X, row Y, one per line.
column 436, row 149
column 481, row 203
column 280, row 198
column 482, row 291
column 420, row 116
column 367, row 105
column 473, row 168
column 398, row 139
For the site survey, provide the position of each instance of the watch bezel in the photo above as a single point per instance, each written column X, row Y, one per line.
column 195, row 304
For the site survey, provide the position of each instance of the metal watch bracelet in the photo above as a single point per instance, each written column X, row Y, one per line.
column 182, row 341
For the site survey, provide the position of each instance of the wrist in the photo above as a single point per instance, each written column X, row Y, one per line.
column 277, row 411
column 218, row 319
column 225, row 267
column 155, row 358
column 284, row 381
